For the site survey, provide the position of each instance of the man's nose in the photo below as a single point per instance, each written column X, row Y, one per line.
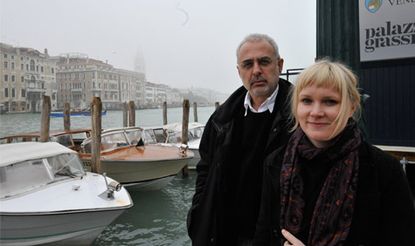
column 257, row 69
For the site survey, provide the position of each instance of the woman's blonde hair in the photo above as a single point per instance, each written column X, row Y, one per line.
column 328, row 74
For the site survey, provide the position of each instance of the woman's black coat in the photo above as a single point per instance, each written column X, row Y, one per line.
column 384, row 211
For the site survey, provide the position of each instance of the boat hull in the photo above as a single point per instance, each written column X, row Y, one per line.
column 145, row 174
column 71, row 228
column 134, row 166
column 80, row 113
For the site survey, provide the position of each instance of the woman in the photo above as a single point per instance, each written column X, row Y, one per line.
column 330, row 187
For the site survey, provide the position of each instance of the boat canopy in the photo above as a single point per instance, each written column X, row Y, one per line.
column 18, row 152
column 37, row 167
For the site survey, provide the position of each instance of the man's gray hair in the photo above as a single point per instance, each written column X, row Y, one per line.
column 255, row 37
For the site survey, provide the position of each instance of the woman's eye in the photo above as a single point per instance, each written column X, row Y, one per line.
column 306, row 101
column 330, row 102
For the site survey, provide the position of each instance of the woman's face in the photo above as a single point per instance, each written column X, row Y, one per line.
column 317, row 110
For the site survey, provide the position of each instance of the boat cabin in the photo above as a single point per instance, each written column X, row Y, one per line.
column 33, row 165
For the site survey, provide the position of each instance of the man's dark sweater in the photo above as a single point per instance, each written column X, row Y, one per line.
column 243, row 198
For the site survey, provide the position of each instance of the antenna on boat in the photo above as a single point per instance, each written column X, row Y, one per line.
column 111, row 187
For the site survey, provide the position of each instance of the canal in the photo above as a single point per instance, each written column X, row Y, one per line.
column 157, row 217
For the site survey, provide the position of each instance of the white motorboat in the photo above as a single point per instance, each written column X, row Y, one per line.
column 195, row 132
column 133, row 161
column 47, row 198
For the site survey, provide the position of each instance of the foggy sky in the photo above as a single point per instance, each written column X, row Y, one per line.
column 184, row 43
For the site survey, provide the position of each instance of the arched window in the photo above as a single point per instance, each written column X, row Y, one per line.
column 32, row 83
column 32, row 65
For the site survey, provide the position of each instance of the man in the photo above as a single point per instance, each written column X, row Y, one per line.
column 240, row 134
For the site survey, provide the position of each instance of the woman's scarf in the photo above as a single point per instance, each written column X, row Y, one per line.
column 332, row 215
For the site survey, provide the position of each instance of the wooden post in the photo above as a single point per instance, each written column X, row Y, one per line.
column 195, row 112
column 45, row 119
column 96, row 109
column 185, row 130
column 216, row 105
column 131, row 113
column 164, row 113
column 125, row 114
column 66, row 116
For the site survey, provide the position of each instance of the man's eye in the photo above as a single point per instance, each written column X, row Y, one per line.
column 247, row 65
column 264, row 62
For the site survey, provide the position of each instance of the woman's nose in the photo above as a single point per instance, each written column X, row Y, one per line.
column 316, row 110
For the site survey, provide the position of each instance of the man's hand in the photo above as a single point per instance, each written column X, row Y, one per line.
column 291, row 240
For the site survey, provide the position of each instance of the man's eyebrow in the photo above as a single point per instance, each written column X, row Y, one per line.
column 258, row 59
column 247, row 60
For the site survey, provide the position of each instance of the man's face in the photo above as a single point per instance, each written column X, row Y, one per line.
column 259, row 69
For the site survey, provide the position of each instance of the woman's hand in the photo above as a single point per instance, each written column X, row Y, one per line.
column 291, row 240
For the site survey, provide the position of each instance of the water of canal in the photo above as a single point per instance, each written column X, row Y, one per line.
column 157, row 217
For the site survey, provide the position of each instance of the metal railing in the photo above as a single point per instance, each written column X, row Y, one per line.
column 291, row 71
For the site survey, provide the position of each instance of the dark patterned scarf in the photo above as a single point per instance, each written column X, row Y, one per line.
column 332, row 215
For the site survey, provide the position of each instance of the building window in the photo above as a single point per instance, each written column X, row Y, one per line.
column 13, row 93
column 12, row 57
column 27, row 67
column 5, row 55
column 6, row 77
column 23, row 93
column 6, row 92
column 32, row 65
column 12, row 65
column 21, row 66
column 37, row 68
column 13, row 78
column 41, row 69
column 22, row 79
column 53, row 70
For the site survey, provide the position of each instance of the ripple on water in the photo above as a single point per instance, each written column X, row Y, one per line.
column 157, row 218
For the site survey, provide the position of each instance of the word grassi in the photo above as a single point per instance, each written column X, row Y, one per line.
column 389, row 35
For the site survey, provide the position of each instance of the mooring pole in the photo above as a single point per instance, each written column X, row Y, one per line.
column 131, row 113
column 195, row 111
column 45, row 119
column 67, row 116
column 96, row 109
column 185, row 130
column 164, row 113
column 124, row 114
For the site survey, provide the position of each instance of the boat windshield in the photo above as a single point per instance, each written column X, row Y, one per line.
column 134, row 135
column 197, row 132
column 28, row 175
column 65, row 140
column 193, row 134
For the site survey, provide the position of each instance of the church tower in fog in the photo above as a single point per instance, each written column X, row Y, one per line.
column 139, row 63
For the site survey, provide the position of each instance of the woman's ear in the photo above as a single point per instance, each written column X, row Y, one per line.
column 353, row 110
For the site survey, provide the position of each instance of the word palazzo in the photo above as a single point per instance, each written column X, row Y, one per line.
column 389, row 35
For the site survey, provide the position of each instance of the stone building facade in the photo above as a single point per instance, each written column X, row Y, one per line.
column 80, row 78
column 25, row 76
